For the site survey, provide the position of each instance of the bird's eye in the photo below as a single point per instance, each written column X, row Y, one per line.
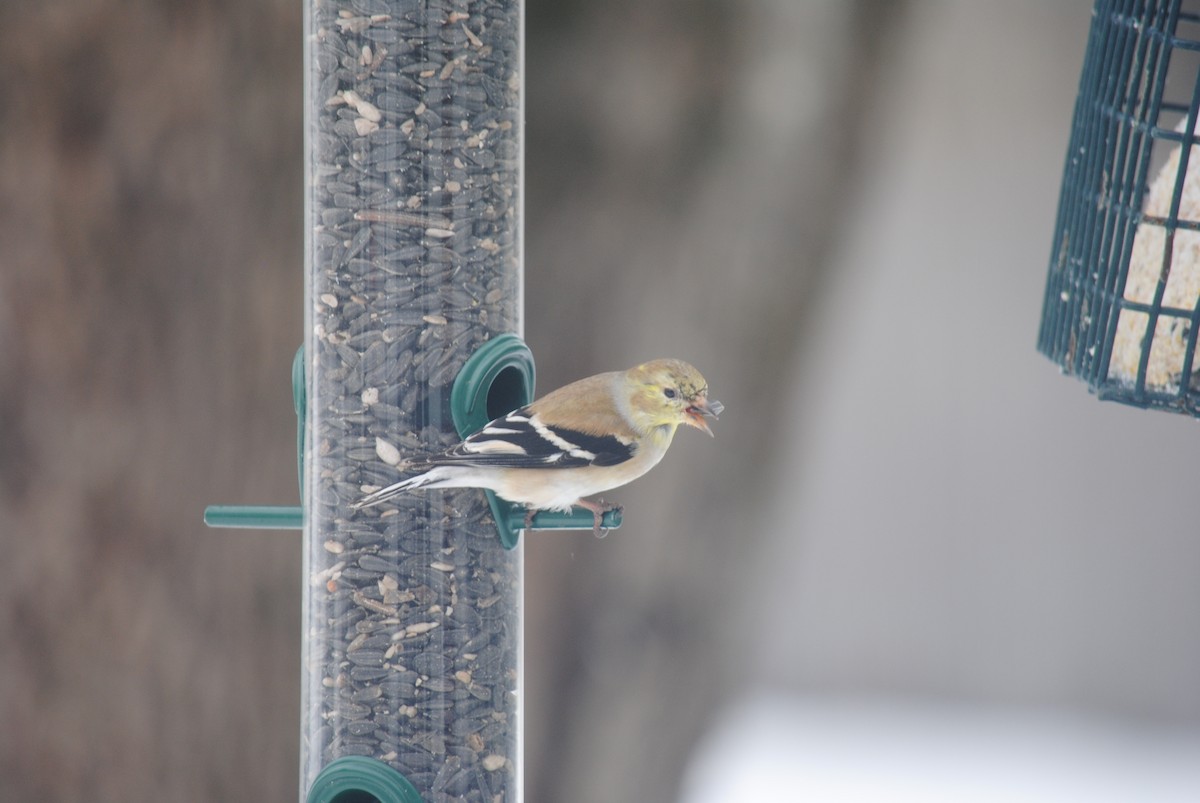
column 669, row 393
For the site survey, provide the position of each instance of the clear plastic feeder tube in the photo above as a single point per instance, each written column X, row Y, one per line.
column 412, row 609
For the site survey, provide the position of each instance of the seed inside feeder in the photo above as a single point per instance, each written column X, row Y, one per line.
column 413, row 609
column 1150, row 265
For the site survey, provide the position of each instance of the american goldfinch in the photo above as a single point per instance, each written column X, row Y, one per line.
column 585, row 438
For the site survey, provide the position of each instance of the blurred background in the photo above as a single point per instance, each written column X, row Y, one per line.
column 915, row 564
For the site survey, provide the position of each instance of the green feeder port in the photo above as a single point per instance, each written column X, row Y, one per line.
column 358, row 779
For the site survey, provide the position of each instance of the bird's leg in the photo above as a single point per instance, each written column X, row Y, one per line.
column 598, row 508
column 529, row 514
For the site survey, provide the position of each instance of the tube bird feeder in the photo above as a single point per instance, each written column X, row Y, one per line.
column 412, row 611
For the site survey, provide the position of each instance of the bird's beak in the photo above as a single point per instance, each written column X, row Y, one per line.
column 701, row 409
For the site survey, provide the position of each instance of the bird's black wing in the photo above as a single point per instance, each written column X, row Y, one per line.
column 522, row 440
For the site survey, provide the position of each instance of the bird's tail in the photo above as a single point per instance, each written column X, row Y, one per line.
column 384, row 494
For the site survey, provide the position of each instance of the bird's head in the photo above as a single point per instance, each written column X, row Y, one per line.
column 669, row 393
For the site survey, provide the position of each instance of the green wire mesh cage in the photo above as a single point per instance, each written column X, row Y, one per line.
column 1120, row 310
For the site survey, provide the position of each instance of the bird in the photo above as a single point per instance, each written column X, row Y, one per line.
column 585, row 438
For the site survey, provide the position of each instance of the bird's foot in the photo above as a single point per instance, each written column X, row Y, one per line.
column 599, row 508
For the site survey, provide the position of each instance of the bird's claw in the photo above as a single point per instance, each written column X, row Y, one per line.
column 598, row 512
column 597, row 508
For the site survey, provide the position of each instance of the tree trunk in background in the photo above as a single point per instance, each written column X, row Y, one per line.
column 150, row 304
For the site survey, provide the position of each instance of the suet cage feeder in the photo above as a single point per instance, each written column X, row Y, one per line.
column 412, row 611
column 1120, row 310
